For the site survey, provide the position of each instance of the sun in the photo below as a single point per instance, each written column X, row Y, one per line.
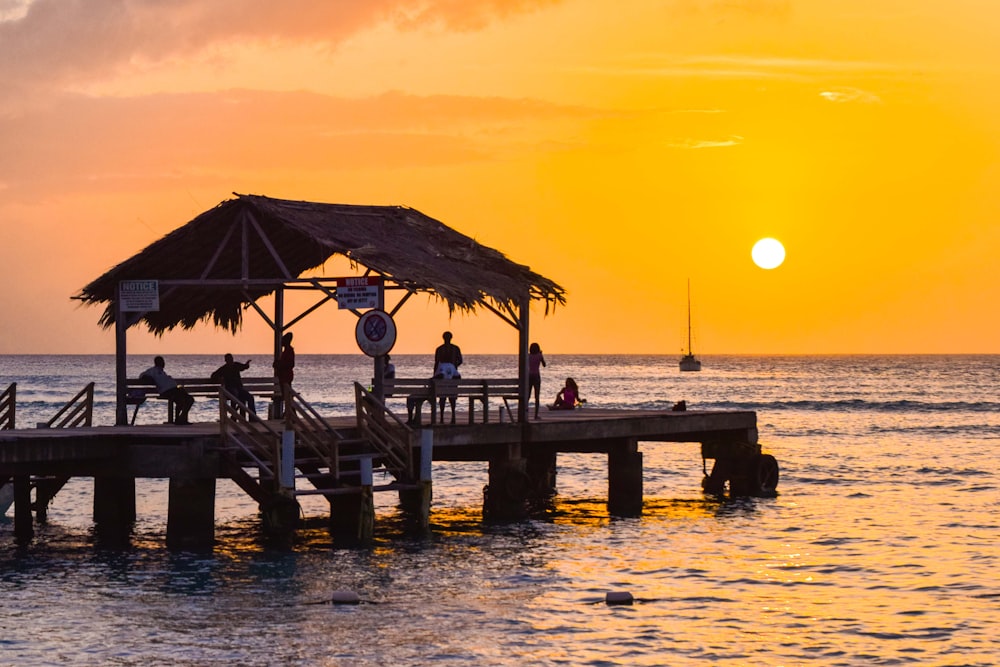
column 768, row 253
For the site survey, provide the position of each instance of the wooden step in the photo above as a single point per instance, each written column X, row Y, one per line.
column 348, row 490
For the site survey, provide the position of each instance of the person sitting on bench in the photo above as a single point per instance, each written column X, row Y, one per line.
column 167, row 388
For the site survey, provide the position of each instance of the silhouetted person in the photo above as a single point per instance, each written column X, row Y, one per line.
column 568, row 397
column 535, row 363
column 284, row 367
column 447, row 359
column 229, row 375
column 167, row 388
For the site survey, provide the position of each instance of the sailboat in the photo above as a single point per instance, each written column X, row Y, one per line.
column 689, row 362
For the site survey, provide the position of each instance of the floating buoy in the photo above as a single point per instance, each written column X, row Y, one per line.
column 619, row 597
column 345, row 597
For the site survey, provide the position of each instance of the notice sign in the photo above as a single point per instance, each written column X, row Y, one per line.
column 139, row 295
column 358, row 293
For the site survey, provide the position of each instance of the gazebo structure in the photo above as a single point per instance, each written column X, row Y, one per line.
column 224, row 261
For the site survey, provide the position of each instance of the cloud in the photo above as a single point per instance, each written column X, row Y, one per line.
column 773, row 9
column 712, row 66
column 848, row 95
column 12, row 10
column 695, row 144
column 48, row 43
column 85, row 143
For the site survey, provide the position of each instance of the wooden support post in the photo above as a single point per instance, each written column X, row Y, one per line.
column 345, row 514
column 366, row 507
column 625, row 479
column 191, row 513
column 114, row 506
column 418, row 501
column 352, row 515
column 24, row 525
column 541, row 469
column 507, row 492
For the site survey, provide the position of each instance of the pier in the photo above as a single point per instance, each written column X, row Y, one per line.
column 336, row 457
column 244, row 255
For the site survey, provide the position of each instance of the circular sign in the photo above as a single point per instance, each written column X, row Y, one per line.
column 376, row 333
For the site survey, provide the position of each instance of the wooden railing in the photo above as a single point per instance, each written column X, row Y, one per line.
column 436, row 391
column 138, row 390
column 257, row 441
column 8, row 404
column 317, row 447
column 79, row 411
column 312, row 431
column 386, row 432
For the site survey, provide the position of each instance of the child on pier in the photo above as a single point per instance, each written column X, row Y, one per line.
column 568, row 397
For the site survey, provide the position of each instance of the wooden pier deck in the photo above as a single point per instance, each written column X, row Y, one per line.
column 522, row 460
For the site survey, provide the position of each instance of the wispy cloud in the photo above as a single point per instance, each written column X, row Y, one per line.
column 734, row 67
column 82, row 141
column 695, row 144
column 12, row 10
column 848, row 95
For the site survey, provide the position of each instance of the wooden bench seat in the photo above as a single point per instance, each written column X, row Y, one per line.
column 417, row 391
column 137, row 391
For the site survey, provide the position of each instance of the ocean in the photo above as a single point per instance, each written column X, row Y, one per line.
column 879, row 549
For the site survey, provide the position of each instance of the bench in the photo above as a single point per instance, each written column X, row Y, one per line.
column 137, row 391
column 417, row 391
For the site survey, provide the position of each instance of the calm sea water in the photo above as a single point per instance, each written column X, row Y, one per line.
column 881, row 547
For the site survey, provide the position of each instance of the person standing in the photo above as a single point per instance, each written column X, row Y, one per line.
column 536, row 360
column 167, row 388
column 447, row 359
column 284, row 370
column 229, row 375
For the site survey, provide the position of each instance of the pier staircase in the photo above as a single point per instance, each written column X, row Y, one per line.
column 78, row 411
column 333, row 462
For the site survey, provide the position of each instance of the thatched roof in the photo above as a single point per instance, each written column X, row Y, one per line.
column 400, row 243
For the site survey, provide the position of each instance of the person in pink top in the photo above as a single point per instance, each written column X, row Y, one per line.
column 568, row 397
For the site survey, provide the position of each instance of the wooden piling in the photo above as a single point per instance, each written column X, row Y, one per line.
column 541, row 471
column 24, row 525
column 191, row 513
column 114, row 505
column 508, row 489
column 625, row 479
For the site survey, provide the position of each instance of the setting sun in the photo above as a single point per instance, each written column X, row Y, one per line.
column 768, row 253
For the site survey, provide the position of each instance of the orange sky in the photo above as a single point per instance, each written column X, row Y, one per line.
column 618, row 148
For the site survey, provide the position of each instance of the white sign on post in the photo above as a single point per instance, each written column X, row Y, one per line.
column 139, row 295
column 358, row 293
column 375, row 333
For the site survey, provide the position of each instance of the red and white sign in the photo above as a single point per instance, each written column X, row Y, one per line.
column 375, row 333
column 358, row 293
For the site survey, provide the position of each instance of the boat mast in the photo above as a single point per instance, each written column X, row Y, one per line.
column 689, row 317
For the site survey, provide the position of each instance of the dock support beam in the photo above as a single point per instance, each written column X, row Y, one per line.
column 508, row 489
column 24, row 525
column 114, row 506
column 191, row 513
column 352, row 515
column 418, row 501
column 625, row 479
column 541, row 469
